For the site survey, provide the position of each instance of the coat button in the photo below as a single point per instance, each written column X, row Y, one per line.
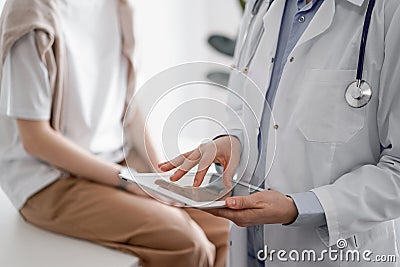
column 302, row 19
column 276, row 126
column 291, row 59
column 245, row 70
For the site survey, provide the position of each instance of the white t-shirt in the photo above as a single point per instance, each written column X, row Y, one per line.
column 93, row 99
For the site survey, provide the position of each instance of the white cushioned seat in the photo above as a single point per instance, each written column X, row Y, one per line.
column 22, row 245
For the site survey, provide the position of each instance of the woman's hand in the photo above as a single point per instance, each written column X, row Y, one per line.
column 267, row 207
column 224, row 150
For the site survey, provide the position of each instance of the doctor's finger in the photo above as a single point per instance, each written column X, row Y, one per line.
column 207, row 158
column 230, row 170
column 175, row 162
column 188, row 163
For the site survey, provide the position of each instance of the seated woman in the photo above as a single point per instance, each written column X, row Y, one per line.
column 67, row 74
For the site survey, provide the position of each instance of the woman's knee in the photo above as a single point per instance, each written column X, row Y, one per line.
column 180, row 238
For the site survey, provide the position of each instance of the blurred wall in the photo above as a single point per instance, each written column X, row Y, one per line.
column 171, row 32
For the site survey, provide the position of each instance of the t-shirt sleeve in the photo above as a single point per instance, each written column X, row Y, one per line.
column 25, row 89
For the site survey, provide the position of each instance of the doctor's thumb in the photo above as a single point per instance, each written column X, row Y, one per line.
column 237, row 203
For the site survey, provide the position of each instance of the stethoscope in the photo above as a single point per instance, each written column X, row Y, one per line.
column 358, row 93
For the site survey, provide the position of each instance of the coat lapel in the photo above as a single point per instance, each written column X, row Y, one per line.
column 321, row 22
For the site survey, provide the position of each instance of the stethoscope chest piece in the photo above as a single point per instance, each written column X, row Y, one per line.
column 358, row 94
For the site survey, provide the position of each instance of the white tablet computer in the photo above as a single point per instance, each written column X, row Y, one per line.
column 209, row 196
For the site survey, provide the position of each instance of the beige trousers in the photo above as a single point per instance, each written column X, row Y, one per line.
column 158, row 234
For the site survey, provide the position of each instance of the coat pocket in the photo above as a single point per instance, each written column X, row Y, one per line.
column 322, row 113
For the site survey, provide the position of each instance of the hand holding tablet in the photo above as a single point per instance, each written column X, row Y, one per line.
column 209, row 196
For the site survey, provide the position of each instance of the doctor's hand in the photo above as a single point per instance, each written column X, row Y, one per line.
column 224, row 150
column 267, row 207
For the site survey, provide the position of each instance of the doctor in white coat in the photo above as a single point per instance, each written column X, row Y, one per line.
column 331, row 159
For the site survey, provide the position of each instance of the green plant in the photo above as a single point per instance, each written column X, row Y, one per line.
column 242, row 3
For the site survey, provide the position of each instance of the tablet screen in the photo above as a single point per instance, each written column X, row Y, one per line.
column 211, row 192
column 199, row 194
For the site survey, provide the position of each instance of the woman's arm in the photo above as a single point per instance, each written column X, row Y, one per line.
column 41, row 141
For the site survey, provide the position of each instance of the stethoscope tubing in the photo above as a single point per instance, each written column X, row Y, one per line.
column 364, row 38
column 256, row 7
column 254, row 12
